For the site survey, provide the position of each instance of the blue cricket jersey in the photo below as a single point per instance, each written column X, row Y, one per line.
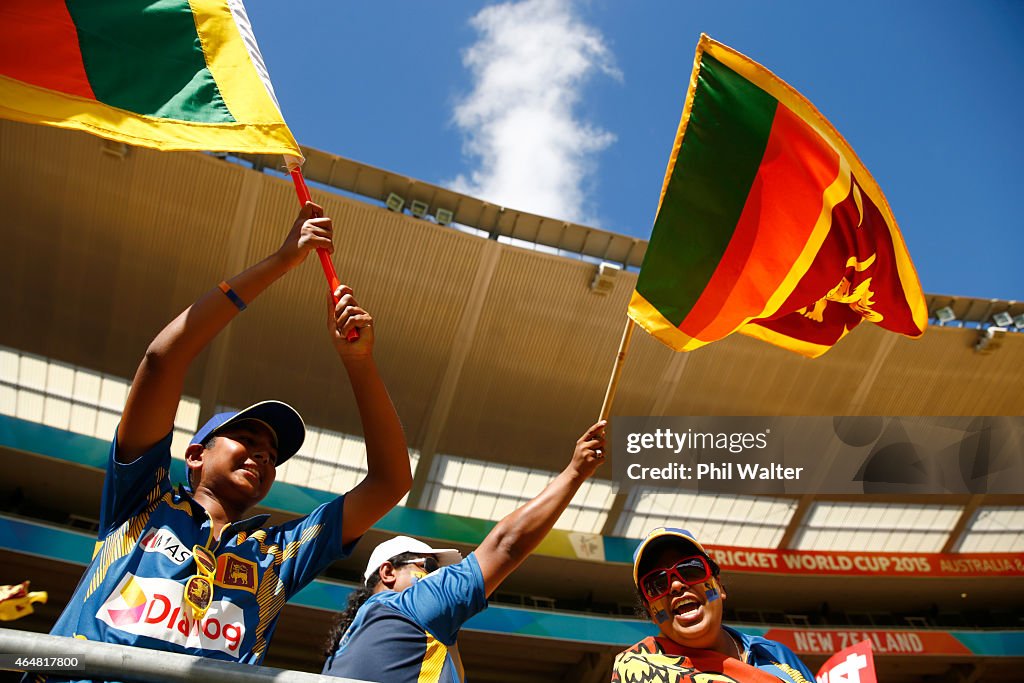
column 131, row 592
column 410, row 636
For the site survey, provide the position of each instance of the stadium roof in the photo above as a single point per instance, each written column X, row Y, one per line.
column 494, row 353
column 494, row 346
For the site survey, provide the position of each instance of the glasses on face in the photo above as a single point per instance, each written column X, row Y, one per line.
column 429, row 564
column 689, row 570
column 199, row 588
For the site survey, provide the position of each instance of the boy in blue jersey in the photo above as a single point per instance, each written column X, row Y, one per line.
column 679, row 587
column 185, row 571
column 402, row 626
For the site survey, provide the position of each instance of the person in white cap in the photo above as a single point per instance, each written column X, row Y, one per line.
column 184, row 570
column 681, row 592
column 402, row 625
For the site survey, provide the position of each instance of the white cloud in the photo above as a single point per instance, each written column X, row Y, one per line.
column 529, row 67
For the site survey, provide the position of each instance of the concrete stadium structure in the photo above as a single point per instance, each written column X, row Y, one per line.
column 496, row 350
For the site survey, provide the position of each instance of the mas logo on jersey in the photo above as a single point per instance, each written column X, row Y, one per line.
column 154, row 608
column 235, row 572
column 167, row 544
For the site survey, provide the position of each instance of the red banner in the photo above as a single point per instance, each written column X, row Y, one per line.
column 828, row 641
column 769, row 561
column 855, row 664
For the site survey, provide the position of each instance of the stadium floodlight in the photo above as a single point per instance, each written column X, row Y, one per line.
column 1003, row 319
column 118, row 150
column 444, row 216
column 989, row 339
column 604, row 278
column 418, row 208
column 394, row 203
column 945, row 314
column 1018, row 322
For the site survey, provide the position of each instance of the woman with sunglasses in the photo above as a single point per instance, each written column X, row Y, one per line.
column 402, row 626
column 680, row 590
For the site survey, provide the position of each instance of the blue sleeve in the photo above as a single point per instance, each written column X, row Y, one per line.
column 128, row 487
column 310, row 544
column 789, row 658
column 443, row 601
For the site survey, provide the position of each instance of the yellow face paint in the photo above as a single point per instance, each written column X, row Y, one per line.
column 660, row 609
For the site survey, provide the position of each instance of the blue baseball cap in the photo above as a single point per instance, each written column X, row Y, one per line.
column 667, row 533
column 283, row 421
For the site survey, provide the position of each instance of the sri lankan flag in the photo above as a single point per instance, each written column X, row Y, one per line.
column 167, row 74
column 768, row 223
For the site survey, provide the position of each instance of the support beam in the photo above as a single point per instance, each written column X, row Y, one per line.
column 441, row 407
column 614, row 513
column 867, row 383
column 966, row 515
column 668, row 383
column 857, row 401
column 806, row 501
column 667, row 387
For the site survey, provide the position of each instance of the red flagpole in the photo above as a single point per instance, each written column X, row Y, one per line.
column 325, row 259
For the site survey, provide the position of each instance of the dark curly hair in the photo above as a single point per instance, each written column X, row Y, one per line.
column 355, row 601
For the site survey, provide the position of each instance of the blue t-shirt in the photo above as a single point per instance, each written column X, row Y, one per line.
column 773, row 657
column 131, row 592
column 409, row 636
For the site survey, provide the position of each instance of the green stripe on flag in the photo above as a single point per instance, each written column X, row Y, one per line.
column 724, row 143
column 155, row 66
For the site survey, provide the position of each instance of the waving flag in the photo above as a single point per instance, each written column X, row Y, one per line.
column 855, row 664
column 171, row 75
column 768, row 223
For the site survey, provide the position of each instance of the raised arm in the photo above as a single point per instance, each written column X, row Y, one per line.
column 518, row 534
column 388, row 475
column 153, row 399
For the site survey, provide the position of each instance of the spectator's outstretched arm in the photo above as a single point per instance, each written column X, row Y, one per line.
column 388, row 475
column 153, row 399
column 516, row 536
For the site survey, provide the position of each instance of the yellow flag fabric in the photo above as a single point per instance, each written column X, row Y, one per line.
column 16, row 601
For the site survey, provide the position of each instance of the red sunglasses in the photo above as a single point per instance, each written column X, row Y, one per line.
column 689, row 570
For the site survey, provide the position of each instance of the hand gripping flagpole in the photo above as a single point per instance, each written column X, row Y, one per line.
column 325, row 258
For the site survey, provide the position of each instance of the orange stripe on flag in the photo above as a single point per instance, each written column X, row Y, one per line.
column 39, row 46
column 774, row 228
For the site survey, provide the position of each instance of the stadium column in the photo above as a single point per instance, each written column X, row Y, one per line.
column 468, row 322
column 966, row 516
column 239, row 240
column 867, row 382
column 796, row 520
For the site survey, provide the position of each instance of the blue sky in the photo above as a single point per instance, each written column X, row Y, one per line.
column 569, row 109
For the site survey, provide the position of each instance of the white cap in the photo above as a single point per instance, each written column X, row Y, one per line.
column 403, row 544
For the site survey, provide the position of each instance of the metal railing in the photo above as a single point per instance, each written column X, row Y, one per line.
column 121, row 662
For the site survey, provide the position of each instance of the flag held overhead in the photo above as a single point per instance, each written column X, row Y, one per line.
column 173, row 75
column 768, row 223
